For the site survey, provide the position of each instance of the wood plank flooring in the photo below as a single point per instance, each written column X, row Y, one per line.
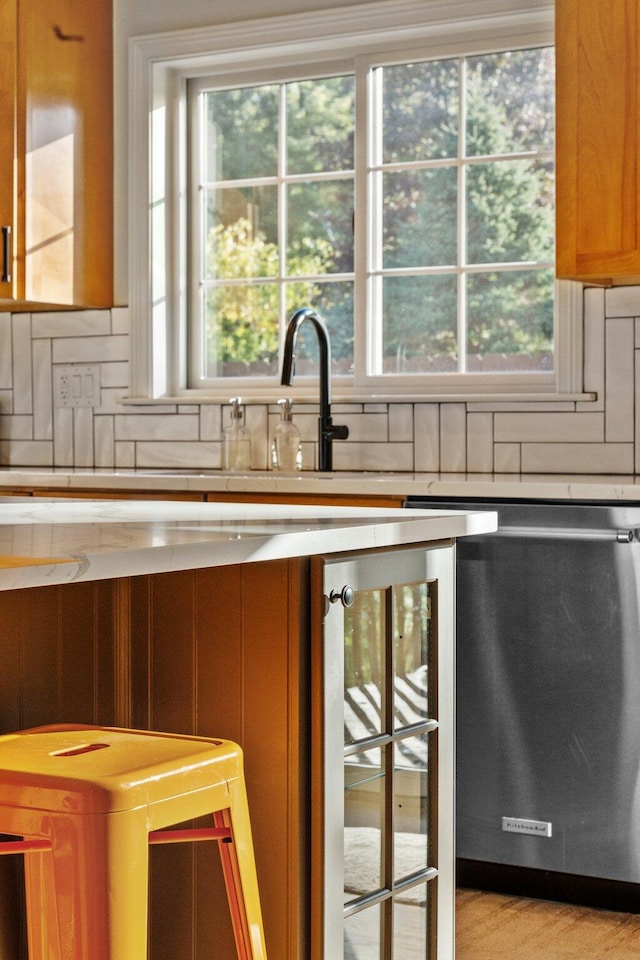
column 491, row 926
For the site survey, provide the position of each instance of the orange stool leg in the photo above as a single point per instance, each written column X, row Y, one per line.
column 42, row 915
column 100, row 878
column 241, row 881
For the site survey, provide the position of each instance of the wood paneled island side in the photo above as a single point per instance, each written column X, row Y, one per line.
column 191, row 618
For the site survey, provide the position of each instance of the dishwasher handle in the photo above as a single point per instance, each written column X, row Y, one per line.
column 567, row 533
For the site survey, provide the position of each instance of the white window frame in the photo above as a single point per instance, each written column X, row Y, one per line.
column 159, row 67
column 286, row 74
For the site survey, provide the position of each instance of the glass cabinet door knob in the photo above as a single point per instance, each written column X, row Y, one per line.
column 346, row 596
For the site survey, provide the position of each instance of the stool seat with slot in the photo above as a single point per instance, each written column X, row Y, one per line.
column 87, row 802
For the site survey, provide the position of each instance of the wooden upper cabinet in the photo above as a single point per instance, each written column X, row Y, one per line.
column 598, row 140
column 56, row 153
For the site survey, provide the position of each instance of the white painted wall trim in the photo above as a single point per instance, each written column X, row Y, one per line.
column 393, row 21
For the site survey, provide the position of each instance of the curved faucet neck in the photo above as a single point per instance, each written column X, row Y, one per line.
column 327, row 432
column 324, row 346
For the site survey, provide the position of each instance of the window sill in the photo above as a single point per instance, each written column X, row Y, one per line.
column 339, row 397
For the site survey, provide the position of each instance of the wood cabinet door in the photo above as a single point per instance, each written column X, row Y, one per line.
column 56, row 147
column 8, row 34
column 598, row 151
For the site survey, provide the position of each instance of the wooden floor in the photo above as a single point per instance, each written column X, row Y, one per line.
column 490, row 926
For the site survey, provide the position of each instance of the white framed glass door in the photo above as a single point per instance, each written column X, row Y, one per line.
column 385, row 742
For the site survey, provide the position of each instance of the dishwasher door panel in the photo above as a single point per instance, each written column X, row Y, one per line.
column 548, row 703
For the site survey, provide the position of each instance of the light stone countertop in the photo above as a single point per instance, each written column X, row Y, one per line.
column 519, row 486
column 46, row 541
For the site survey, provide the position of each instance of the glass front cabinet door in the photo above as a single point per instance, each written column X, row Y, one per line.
column 383, row 744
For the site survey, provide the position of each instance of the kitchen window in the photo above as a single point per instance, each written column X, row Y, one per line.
column 396, row 181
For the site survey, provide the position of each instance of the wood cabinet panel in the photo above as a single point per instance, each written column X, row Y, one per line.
column 58, row 664
column 86, row 668
column 8, row 42
column 275, row 683
column 312, row 499
column 173, row 637
column 58, row 655
column 56, row 151
column 11, row 631
column 221, row 628
column 598, row 140
column 39, row 652
column 222, row 652
column 73, row 494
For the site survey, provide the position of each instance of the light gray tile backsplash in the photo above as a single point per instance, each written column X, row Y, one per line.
column 599, row 437
column 6, row 364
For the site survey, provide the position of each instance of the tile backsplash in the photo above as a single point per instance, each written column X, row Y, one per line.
column 63, row 376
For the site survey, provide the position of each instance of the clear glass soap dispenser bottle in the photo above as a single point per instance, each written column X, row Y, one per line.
column 286, row 450
column 236, row 452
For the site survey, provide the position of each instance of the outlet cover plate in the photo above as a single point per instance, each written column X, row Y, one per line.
column 76, row 385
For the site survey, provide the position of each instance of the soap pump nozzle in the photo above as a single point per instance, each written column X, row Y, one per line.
column 286, row 409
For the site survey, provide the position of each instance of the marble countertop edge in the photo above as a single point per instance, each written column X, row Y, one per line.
column 532, row 486
column 60, row 541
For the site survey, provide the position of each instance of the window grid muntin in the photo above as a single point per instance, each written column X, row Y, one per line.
column 375, row 269
column 203, row 189
column 387, row 742
column 461, row 318
column 364, row 376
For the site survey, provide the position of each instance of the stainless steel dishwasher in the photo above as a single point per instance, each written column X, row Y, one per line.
column 548, row 701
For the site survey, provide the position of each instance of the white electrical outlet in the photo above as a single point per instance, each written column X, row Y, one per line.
column 76, row 385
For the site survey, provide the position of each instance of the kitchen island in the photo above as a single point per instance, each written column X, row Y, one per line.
column 209, row 619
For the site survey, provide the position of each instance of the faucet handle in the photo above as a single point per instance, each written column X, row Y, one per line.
column 336, row 432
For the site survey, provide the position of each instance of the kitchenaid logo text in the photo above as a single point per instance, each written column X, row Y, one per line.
column 536, row 828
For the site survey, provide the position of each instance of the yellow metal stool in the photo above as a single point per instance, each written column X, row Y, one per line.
column 87, row 802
